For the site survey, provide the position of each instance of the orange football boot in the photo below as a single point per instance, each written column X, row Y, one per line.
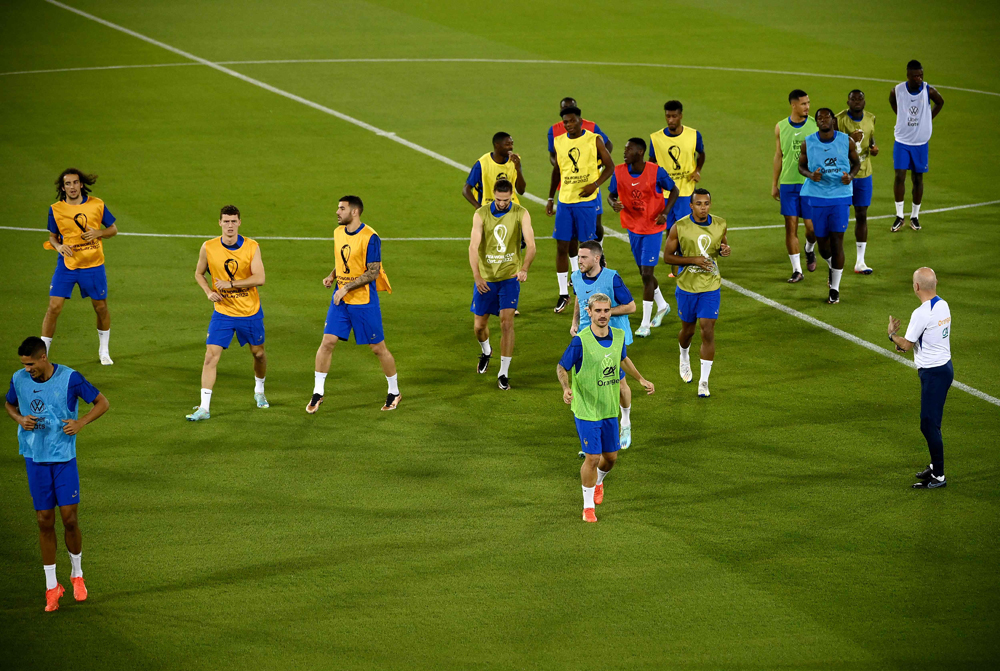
column 599, row 494
column 588, row 515
column 79, row 589
column 52, row 598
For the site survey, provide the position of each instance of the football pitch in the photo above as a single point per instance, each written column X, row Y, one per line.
column 771, row 525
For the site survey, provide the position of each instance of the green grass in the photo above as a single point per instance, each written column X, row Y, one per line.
column 770, row 526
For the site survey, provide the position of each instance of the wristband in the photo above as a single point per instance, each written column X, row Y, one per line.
column 890, row 338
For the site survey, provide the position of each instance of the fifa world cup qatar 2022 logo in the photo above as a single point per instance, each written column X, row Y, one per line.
column 500, row 235
column 231, row 266
column 574, row 157
column 80, row 219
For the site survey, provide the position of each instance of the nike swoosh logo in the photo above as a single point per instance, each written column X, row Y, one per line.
column 798, row 134
column 37, row 391
column 635, row 183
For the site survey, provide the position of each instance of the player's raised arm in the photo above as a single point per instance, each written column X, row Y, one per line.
column 199, row 276
column 519, row 184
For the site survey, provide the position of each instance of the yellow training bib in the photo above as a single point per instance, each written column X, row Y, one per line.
column 229, row 265
column 578, row 165
column 352, row 262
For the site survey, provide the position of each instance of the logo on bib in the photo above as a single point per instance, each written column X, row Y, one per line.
column 914, row 109
column 231, row 266
column 345, row 253
column 574, row 158
column 500, row 233
column 830, row 161
column 675, row 153
column 81, row 221
column 37, row 405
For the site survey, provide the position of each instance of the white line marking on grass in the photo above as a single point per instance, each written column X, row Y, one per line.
column 502, row 61
column 99, row 67
column 209, row 237
column 456, row 164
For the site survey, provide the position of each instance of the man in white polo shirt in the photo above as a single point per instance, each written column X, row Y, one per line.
column 929, row 336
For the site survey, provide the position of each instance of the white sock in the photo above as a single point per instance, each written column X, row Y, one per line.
column 835, row 278
column 102, row 339
column 393, row 384
column 829, row 262
column 647, row 313
column 574, row 264
column 861, row 252
column 810, row 246
column 504, row 365
column 588, row 502
column 914, row 211
column 685, row 353
column 50, row 570
column 601, row 475
column 796, row 263
column 75, row 571
column 706, row 369
column 626, row 420
column 486, row 347
column 48, row 341
column 899, row 209
column 258, row 385
column 319, row 385
column 661, row 302
column 206, row 399
column 563, row 279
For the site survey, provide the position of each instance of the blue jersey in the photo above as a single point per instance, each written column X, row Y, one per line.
column 833, row 160
column 607, row 282
column 51, row 402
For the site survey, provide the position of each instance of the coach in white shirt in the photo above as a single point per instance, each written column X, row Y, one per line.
column 929, row 336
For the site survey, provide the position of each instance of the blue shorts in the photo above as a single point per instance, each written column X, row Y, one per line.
column 646, row 247
column 681, row 209
column 600, row 203
column 364, row 320
column 911, row 157
column 692, row 307
column 829, row 219
column 248, row 330
column 597, row 437
column 93, row 282
column 53, row 484
column 792, row 204
column 862, row 191
column 576, row 221
column 502, row 295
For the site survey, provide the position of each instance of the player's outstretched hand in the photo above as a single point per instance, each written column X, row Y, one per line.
column 550, row 207
column 724, row 250
column 522, row 276
column 588, row 189
column 483, row 286
column 28, row 423
column 846, row 178
column 567, row 396
column 894, row 324
column 873, row 150
column 648, row 386
column 215, row 296
column 72, row 426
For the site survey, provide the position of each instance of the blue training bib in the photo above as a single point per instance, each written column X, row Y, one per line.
column 49, row 402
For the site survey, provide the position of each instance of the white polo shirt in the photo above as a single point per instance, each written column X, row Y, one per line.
column 930, row 331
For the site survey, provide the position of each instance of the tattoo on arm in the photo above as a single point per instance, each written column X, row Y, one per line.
column 365, row 277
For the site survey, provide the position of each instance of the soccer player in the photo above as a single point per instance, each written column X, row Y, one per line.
column 594, row 278
column 911, row 101
column 928, row 335
column 680, row 150
column 565, row 157
column 786, row 183
column 830, row 161
column 43, row 399
column 597, row 358
column 695, row 243
column 237, row 270
column 500, row 164
column 75, row 232
column 358, row 276
column 499, row 264
column 860, row 127
column 636, row 192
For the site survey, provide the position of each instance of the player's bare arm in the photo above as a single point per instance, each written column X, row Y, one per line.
column 724, row 249
column 815, row 176
column 626, row 309
column 528, row 234
column 670, row 254
column 553, row 186
column 633, row 372
column 99, row 233
column 671, row 199
column 892, row 101
column 371, row 272
column 872, row 147
column 519, row 184
column 699, row 164
column 852, row 156
column 776, row 168
column 567, row 390
column 71, row 427
column 470, row 196
column 199, row 276
column 64, row 250
column 27, row 422
column 575, row 327
column 475, row 240
column 936, row 99
column 256, row 279
column 902, row 344
column 609, row 168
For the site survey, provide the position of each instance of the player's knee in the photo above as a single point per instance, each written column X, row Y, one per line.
column 70, row 523
column 328, row 344
column 259, row 354
column 101, row 307
column 212, row 357
column 46, row 520
column 507, row 324
column 55, row 307
column 379, row 349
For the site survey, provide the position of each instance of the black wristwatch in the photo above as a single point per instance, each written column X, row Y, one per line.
column 890, row 338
